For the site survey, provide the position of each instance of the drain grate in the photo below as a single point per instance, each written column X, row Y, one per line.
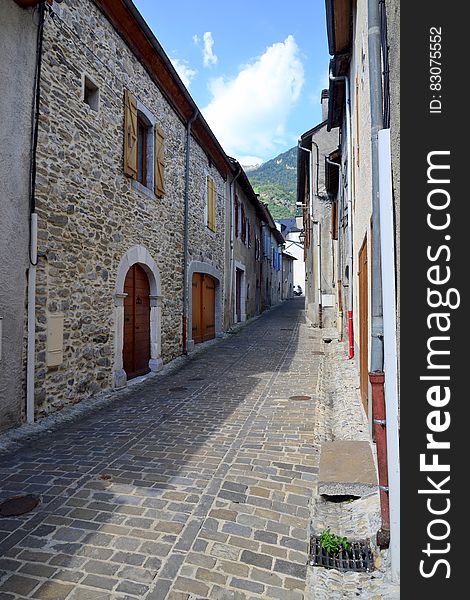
column 178, row 389
column 359, row 559
column 196, row 379
column 18, row 505
column 300, row 398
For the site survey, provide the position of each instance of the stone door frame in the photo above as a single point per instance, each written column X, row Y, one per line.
column 201, row 267
column 141, row 256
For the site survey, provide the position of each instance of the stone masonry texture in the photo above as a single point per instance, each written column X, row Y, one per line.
column 90, row 214
column 194, row 484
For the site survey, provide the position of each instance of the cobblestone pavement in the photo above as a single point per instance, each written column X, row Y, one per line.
column 193, row 485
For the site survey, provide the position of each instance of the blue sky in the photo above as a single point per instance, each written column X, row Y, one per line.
column 255, row 69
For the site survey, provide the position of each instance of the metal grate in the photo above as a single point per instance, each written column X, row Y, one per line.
column 300, row 398
column 18, row 505
column 359, row 559
column 178, row 389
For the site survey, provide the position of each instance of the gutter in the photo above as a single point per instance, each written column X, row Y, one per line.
column 186, row 233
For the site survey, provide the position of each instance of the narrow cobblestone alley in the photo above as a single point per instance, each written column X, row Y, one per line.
column 194, row 484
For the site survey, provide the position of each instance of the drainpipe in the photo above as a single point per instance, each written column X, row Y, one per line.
column 232, row 243
column 33, row 231
column 338, row 259
column 310, row 193
column 350, row 231
column 31, row 352
column 320, row 307
column 186, row 234
column 376, row 375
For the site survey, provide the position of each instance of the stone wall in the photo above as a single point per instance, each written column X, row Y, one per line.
column 91, row 215
column 18, row 34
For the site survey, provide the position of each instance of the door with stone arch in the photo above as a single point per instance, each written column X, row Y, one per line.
column 136, row 347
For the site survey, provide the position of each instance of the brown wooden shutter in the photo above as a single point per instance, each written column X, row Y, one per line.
column 236, row 216
column 210, row 203
column 130, row 135
column 243, row 225
column 159, row 158
column 334, row 221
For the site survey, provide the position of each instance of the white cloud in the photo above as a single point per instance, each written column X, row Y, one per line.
column 196, row 39
column 208, row 55
column 184, row 71
column 248, row 114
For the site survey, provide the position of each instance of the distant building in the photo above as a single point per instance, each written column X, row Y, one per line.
column 292, row 229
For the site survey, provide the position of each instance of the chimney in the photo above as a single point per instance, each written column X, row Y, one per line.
column 324, row 104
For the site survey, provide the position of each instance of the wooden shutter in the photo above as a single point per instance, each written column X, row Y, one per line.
column 236, row 216
column 210, row 203
column 130, row 135
column 243, row 225
column 334, row 221
column 159, row 160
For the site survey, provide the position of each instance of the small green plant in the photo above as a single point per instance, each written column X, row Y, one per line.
column 334, row 543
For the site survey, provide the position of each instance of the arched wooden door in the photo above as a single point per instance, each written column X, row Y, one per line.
column 203, row 307
column 136, row 350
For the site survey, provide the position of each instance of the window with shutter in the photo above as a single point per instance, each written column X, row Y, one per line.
column 159, row 160
column 130, row 135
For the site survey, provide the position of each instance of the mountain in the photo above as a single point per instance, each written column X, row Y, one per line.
column 276, row 183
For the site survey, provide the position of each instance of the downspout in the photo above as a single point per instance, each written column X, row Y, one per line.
column 350, row 231
column 33, row 232
column 232, row 244
column 317, row 195
column 310, row 196
column 320, row 306
column 384, row 391
column 338, row 258
column 186, row 233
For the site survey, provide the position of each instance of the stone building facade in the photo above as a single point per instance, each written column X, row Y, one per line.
column 18, row 40
column 323, row 275
column 99, row 217
column 248, row 216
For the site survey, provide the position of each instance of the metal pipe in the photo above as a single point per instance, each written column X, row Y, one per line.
column 232, row 242
column 375, row 70
column 186, row 233
column 31, row 352
column 320, row 306
column 376, row 354
column 33, row 227
column 338, row 259
column 350, row 231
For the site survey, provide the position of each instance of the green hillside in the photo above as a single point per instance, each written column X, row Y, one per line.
column 276, row 183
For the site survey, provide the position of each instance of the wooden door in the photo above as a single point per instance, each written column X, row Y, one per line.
column 136, row 349
column 364, row 326
column 203, row 307
column 208, row 308
column 197, row 307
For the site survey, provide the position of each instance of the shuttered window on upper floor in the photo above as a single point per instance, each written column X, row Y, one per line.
column 144, row 146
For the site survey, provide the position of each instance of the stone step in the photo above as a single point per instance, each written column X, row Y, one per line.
column 346, row 469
